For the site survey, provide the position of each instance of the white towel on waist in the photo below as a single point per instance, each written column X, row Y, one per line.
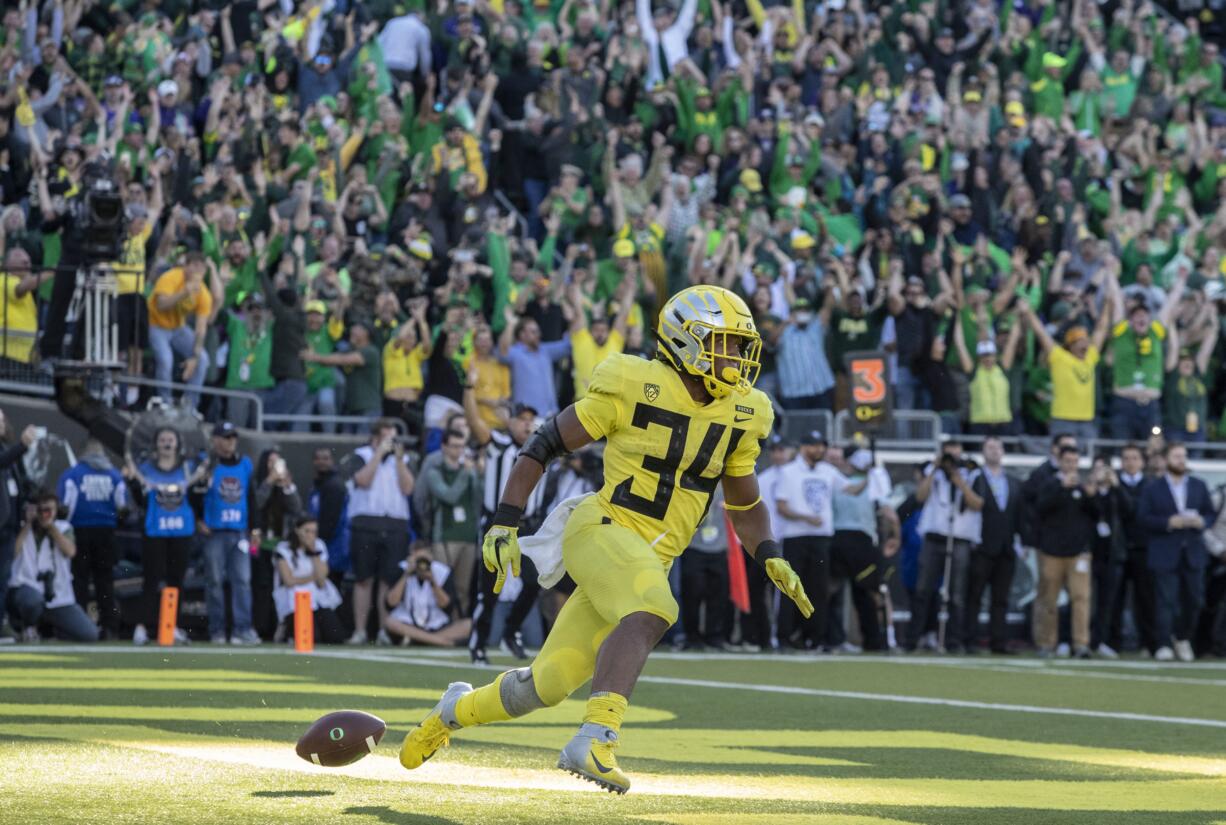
column 545, row 546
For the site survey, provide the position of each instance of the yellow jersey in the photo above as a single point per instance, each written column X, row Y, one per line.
column 665, row 453
column 130, row 268
column 401, row 367
column 18, row 320
column 1072, row 384
column 196, row 304
column 586, row 355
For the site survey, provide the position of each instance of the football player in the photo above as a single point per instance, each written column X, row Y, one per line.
column 674, row 428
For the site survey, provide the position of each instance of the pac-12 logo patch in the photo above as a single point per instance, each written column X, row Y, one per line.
column 652, row 391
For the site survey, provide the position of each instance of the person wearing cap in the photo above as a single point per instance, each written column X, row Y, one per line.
column 991, row 399
column 1138, row 369
column 1047, row 79
column 322, row 333
column 806, row 381
column 856, row 548
column 804, row 499
column 502, row 448
column 361, row 365
column 94, row 495
column 249, row 331
column 229, row 502
column 1073, row 369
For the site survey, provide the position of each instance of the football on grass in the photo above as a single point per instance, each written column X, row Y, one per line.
column 341, row 738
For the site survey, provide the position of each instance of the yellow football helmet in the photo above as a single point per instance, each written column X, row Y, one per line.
column 693, row 331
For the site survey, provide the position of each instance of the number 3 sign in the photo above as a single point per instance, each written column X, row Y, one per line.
column 871, row 398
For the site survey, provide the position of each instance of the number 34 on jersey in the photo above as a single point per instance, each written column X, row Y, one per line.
column 665, row 452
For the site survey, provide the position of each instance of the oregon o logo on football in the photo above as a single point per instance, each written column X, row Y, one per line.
column 336, row 734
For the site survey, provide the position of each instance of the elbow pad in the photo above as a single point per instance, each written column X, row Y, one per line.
column 544, row 445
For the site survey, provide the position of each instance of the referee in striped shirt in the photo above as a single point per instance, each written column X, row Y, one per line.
column 501, row 451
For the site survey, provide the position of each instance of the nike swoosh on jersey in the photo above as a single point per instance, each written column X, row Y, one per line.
column 599, row 766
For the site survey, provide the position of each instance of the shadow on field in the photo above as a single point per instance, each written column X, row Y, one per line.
column 386, row 814
column 290, row 794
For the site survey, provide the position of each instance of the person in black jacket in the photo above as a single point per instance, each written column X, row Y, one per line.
column 1132, row 481
column 1110, row 551
column 329, row 502
column 1069, row 513
column 1031, row 523
column 994, row 559
column 13, row 487
column 288, row 340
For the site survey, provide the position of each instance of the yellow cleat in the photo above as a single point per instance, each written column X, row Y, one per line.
column 434, row 731
column 590, row 756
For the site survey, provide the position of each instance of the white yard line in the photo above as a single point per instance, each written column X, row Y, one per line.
column 436, row 661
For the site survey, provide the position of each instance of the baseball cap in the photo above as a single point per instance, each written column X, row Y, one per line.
column 776, row 441
column 960, row 201
column 985, row 348
column 520, row 408
column 803, row 240
column 861, row 460
column 813, row 437
column 168, row 87
column 317, row 306
column 225, row 429
column 1051, row 60
column 254, row 299
column 751, row 180
column 113, row 80
column 623, row 248
column 1074, row 335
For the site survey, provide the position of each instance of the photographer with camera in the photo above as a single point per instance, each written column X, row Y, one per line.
column 13, row 488
column 422, row 604
column 950, row 522
column 379, row 521
column 1069, row 511
column 455, row 498
column 40, row 585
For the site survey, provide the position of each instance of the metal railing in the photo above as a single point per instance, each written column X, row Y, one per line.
column 908, row 430
column 243, row 395
column 793, row 424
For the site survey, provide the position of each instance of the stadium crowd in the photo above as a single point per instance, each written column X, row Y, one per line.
column 451, row 212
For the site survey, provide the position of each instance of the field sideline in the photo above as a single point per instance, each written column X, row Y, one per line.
column 200, row 735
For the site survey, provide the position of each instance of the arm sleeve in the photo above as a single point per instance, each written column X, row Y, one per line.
column 68, row 494
column 744, row 455
column 603, row 408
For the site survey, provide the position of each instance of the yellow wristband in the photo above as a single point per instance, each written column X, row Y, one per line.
column 741, row 507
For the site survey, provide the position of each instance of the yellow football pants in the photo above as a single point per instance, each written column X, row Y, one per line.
column 617, row 574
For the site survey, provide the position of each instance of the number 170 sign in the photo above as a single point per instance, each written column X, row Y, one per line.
column 871, row 396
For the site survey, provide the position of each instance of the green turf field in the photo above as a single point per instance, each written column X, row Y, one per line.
column 197, row 735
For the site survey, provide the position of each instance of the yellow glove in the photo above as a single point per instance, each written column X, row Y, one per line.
column 500, row 552
column 785, row 578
